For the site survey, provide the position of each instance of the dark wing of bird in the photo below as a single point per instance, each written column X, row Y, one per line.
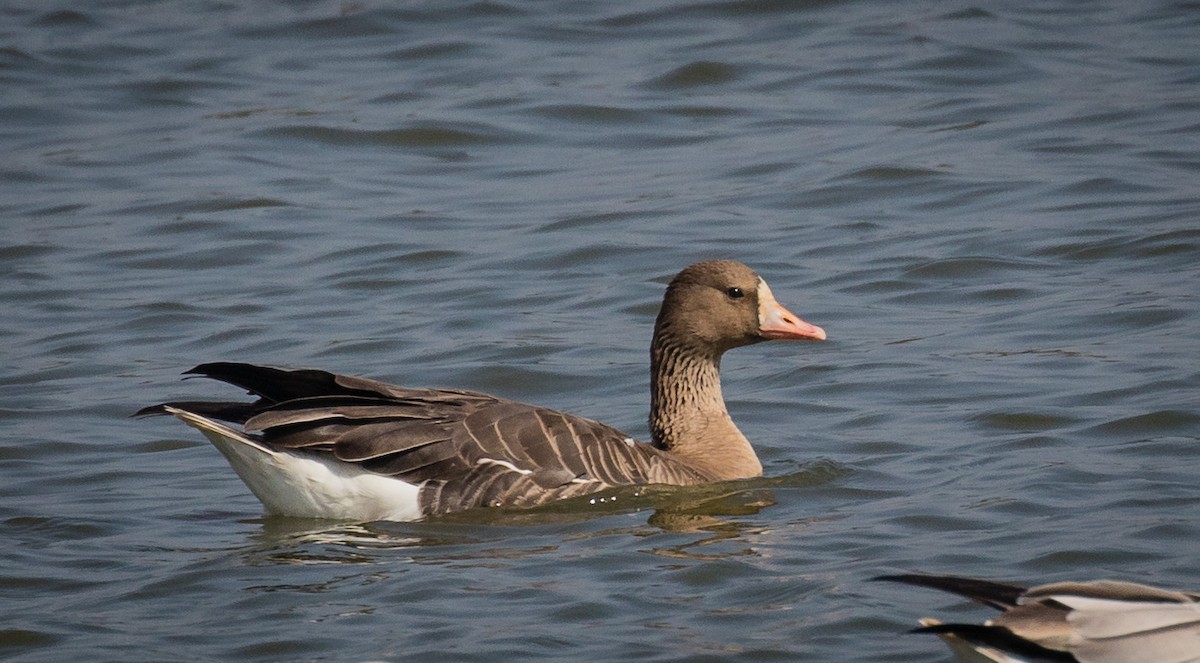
column 465, row 448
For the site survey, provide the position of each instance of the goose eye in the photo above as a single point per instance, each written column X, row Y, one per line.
column 735, row 293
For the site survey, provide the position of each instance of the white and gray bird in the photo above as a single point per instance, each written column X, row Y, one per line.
column 1097, row 621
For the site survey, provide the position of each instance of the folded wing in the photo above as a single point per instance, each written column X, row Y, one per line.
column 463, row 448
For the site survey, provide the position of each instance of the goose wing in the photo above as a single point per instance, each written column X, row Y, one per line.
column 464, row 448
column 1113, row 621
column 1099, row 621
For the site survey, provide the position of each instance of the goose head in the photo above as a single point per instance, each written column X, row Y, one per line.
column 718, row 305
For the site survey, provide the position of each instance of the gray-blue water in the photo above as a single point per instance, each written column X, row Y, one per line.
column 993, row 209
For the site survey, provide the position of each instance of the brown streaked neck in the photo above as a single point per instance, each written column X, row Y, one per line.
column 688, row 415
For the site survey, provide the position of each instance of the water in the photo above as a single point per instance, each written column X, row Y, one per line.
column 992, row 210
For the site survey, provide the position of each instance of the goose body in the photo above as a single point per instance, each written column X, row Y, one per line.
column 1098, row 621
column 321, row 445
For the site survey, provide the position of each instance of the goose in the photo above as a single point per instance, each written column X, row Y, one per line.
column 1096, row 621
column 317, row 444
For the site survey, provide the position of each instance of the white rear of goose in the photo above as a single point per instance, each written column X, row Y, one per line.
column 307, row 485
column 1098, row 621
column 318, row 444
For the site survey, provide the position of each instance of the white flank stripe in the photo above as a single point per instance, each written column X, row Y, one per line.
column 503, row 463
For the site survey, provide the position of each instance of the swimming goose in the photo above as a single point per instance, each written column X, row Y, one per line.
column 1098, row 621
column 321, row 445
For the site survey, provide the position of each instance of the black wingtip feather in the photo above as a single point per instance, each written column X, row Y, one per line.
column 151, row 411
column 225, row 411
column 999, row 638
column 995, row 594
column 271, row 384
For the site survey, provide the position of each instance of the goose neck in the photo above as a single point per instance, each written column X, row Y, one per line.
column 688, row 415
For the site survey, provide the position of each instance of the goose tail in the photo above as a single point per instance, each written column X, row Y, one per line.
column 305, row 485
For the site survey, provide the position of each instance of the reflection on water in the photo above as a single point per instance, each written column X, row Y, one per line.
column 302, row 541
column 711, row 530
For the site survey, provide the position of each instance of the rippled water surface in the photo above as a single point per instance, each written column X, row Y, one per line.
column 994, row 212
